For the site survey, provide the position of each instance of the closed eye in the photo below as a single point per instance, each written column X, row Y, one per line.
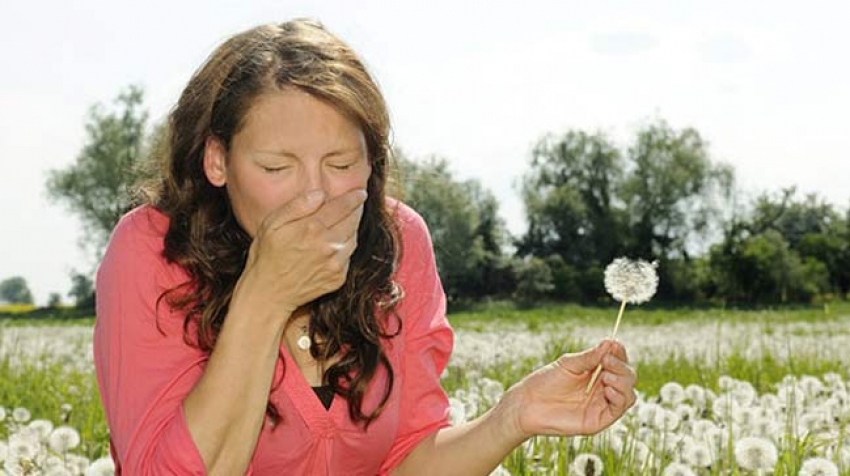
column 273, row 170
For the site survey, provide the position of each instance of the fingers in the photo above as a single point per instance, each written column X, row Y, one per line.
column 584, row 361
column 300, row 207
column 344, row 210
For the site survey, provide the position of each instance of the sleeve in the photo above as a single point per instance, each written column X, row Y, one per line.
column 144, row 371
column 428, row 337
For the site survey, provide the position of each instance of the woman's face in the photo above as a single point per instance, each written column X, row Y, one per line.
column 289, row 143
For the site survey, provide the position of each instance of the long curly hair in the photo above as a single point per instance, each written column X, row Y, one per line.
column 203, row 235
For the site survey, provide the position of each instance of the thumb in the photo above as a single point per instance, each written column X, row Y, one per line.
column 299, row 207
column 585, row 361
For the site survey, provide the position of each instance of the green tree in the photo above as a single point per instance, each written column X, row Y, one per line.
column 570, row 196
column 55, row 300
column 673, row 191
column 82, row 290
column 467, row 233
column 14, row 290
column 98, row 186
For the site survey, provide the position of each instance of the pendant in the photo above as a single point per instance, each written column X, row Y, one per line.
column 304, row 342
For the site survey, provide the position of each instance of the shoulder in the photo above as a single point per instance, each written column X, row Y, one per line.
column 137, row 242
column 412, row 228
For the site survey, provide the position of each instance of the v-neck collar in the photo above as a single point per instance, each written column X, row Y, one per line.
column 323, row 422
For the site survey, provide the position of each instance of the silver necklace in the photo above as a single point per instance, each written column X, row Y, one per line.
column 304, row 341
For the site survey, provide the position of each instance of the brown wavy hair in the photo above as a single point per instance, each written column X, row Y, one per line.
column 203, row 235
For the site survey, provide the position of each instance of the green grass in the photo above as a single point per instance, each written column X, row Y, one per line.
column 42, row 387
column 659, row 315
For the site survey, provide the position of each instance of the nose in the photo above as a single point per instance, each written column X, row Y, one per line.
column 312, row 178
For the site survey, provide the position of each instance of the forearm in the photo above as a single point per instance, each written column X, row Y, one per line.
column 473, row 448
column 226, row 409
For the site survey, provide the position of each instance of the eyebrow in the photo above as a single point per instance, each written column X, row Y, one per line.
column 286, row 153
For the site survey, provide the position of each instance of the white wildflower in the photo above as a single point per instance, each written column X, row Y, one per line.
column 63, row 439
column 21, row 415
column 2, row 413
column 4, row 451
column 633, row 281
column 499, row 471
column 586, row 464
column 457, row 411
column 58, row 471
column 672, row 393
column 755, row 454
column 698, row 454
column 42, row 428
column 678, row 469
column 695, row 394
column 106, row 467
column 818, row 467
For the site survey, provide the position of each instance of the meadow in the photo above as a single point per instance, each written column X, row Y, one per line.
column 722, row 391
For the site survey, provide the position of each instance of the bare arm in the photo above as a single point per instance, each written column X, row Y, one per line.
column 549, row 401
column 226, row 408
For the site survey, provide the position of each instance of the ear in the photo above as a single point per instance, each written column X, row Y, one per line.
column 215, row 166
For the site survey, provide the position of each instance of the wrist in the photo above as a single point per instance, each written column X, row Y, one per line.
column 507, row 414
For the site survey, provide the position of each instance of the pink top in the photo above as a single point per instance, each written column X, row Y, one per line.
column 144, row 375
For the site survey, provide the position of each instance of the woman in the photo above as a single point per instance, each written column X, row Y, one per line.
column 269, row 310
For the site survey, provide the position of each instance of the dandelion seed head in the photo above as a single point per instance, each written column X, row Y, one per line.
column 632, row 281
column 678, row 469
column 696, row 395
column 106, row 467
column 21, row 415
column 586, row 464
column 63, row 439
column 42, row 428
column 755, row 454
column 672, row 393
column 457, row 411
column 818, row 467
column 698, row 455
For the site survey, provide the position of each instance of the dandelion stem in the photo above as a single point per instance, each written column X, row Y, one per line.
column 613, row 334
column 619, row 317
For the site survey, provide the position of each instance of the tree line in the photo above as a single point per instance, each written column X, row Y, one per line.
column 587, row 201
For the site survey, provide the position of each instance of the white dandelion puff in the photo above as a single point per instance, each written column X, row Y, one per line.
column 634, row 281
column 698, row 454
column 499, row 471
column 627, row 281
column 586, row 464
column 63, row 439
column 42, row 428
column 58, row 471
column 457, row 411
column 755, row 454
column 106, row 467
column 678, row 469
column 818, row 467
column 672, row 393
column 21, row 415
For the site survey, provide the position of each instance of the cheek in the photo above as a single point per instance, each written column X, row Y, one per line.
column 346, row 182
column 255, row 202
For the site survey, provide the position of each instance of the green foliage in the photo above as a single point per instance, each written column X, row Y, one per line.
column 55, row 300
column 98, row 186
column 82, row 290
column 786, row 250
column 14, row 290
column 466, row 231
column 534, row 281
column 587, row 203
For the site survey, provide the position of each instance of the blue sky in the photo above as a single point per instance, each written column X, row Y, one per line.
column 766, row 83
